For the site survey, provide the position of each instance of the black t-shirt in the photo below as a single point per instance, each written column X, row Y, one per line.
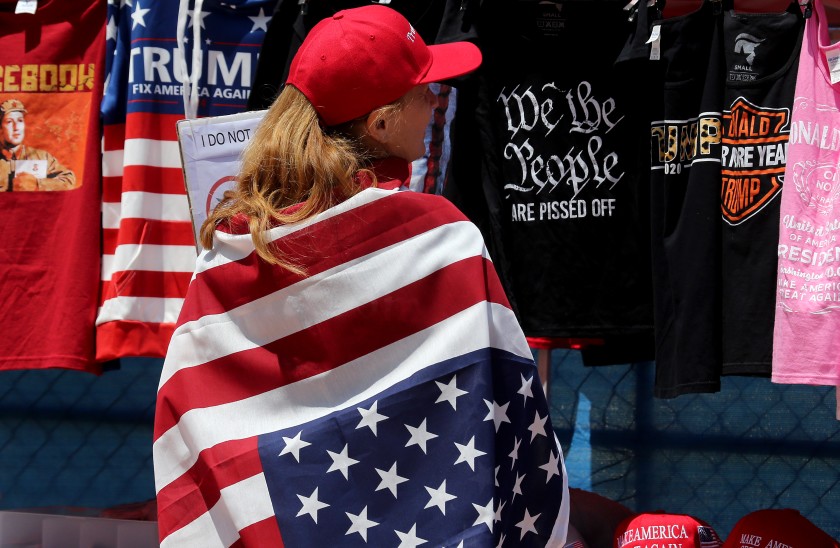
column 762, row 57
column 547, row 158
column 684, row 88
column 721, row 91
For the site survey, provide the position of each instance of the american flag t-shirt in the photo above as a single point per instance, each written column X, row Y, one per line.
column 148, row 243
column 387, row 398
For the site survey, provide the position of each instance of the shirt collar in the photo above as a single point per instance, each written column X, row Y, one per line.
column 7, row 153
column 391, row 173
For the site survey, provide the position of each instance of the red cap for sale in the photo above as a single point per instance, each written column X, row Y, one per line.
column 777, row 527
column 662, row 529
column 363, row 58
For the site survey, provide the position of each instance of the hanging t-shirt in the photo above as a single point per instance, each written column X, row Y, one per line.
column 806, row 343
column 684, row 89
column 551, row 160
column 149, row 248
column 50, row 88
column 718, row 149
column 762, row 55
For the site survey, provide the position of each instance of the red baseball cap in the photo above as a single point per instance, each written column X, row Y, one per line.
column 663, row 529
column 777, row 527
column 364, row 58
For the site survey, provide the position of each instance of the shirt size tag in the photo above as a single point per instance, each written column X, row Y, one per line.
column 26, row 6
column 833, row 59
column 654, row 43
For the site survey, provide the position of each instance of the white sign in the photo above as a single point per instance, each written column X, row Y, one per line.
column 210, row 154
column 38, row 168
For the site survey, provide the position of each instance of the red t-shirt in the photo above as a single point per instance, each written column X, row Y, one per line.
column 50, row 78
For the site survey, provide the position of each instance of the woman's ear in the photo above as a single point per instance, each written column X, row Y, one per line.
column 377, row 127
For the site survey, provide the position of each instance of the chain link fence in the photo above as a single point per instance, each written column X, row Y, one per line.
column 70, row 439
column 719, row 456
column 74, row 441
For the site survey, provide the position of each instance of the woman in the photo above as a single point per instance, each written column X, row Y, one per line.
column 346, row 369
column 357, row 92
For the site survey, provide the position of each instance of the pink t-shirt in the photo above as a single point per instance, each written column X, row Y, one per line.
column 806, row 339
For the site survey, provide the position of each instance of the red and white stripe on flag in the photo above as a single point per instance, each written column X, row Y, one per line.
column 149, row 248
column 396, row 284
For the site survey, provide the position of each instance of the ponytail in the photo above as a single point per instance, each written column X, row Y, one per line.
column 290, row 160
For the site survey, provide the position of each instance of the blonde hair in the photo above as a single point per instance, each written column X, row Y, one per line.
column 291, row 160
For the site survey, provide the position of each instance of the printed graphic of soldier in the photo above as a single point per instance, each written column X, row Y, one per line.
column 24, row 168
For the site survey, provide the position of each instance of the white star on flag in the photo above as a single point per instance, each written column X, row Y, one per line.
column 390, row 480
column 551, row 468
column 485, row 514
column 311, row 505
column 517, row 487
column 449, row 392
column 497, row 413
column 260, row 21
column 537, row 428
column 341, row 461
column 527, row 524
column 497, row 516
column 515, row 453
column 468, row 453
column 419, row 435
column 293, row 446
column 410, row 539
column 501, row 541
column 360, row 523
column 370, row 417
column 111, row 29
column 137, row 16
column 439, row 497
column 525, row 389
column 201, row 16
